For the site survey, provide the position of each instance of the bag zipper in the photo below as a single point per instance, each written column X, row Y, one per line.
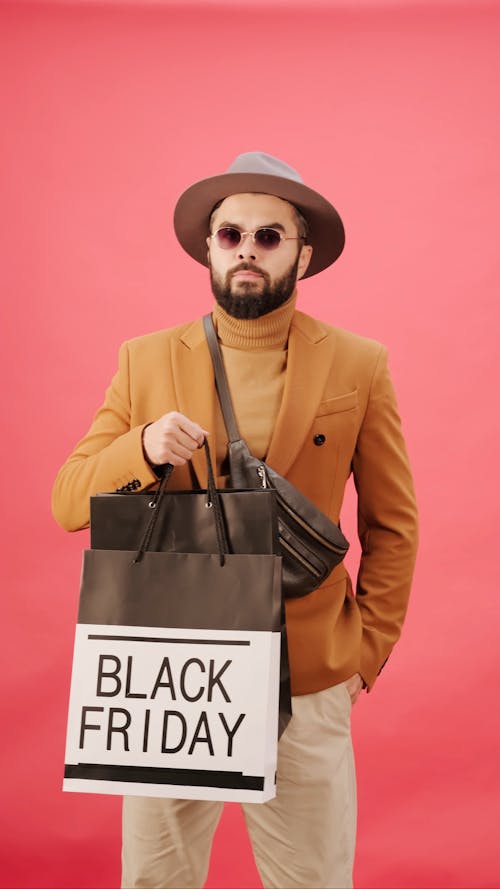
column 261, row 472
column 296, row 518
column 311, row 531
column 300, row 558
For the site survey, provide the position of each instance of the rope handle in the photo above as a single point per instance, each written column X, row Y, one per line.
column 213, row 502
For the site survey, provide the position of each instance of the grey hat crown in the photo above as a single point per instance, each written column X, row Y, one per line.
column 264, row 165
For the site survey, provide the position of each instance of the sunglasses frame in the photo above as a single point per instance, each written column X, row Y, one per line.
column 243, row 235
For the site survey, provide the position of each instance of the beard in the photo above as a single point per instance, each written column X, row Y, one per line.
column 250, row 305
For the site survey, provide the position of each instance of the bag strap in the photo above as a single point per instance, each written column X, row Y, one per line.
column 221, row 382
column 237, row 457
column 213, row 501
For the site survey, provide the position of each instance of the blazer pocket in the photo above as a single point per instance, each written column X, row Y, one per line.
column 338, row 403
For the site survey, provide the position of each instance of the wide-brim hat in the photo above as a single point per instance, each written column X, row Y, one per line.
column 259, row 173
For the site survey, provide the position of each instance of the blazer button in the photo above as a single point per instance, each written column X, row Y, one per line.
column 319, row 439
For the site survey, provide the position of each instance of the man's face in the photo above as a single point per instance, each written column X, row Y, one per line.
column 247, row 280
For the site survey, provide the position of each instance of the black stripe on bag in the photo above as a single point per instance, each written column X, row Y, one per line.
column 150, row 775
column 168, row 639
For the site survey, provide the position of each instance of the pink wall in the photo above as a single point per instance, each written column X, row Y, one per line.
column 390, row 110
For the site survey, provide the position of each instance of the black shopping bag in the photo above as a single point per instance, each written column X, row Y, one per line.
column 176, row 669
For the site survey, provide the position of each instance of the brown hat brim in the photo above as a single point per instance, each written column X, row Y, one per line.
column 193, row 209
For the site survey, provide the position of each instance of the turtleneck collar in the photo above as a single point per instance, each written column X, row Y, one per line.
column 268, row 332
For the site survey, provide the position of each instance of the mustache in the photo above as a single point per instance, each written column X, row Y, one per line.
column 248, row 267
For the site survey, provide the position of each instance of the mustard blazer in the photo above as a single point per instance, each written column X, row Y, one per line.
column 337, row 384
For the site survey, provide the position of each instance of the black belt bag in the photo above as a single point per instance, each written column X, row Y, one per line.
column 311, row 545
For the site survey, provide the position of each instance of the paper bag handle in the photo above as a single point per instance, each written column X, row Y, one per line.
column 213, row 502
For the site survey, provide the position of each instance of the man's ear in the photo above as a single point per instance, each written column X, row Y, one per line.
column 304, row 260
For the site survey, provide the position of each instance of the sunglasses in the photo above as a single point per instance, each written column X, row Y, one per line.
column 228, row 237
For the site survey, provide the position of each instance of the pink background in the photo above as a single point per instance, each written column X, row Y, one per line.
column 391, row 110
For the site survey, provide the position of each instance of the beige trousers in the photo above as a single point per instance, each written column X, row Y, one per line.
column 305, row 837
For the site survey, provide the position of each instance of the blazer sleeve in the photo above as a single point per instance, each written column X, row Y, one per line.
column 387, row 523
column 109, row 457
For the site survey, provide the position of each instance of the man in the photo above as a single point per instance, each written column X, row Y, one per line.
column 318, row 404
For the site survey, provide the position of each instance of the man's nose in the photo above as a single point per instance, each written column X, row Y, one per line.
column 246, row 247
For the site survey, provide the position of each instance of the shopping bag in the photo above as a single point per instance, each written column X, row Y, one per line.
column 183, row 524
column 176, row 670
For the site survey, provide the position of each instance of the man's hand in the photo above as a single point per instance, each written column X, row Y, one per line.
column 354, row 685
column 172, row 439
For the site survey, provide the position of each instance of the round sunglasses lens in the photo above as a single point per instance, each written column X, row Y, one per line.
column 268, row 238
column 228, row 237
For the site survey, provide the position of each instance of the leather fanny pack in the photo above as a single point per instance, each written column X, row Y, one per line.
column 311, row 544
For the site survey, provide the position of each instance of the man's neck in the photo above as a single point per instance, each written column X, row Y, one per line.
column 267, row 332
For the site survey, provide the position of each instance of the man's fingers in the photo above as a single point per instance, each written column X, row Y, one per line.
column 181, row 451
column 178, row 438
column 182, row 424
column 172, row 439
column 195, row 432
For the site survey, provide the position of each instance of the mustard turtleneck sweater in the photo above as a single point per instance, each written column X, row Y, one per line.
column 255, row 356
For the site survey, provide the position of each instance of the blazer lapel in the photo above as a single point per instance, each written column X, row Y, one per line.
column 310, row 356
column 195, row 389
